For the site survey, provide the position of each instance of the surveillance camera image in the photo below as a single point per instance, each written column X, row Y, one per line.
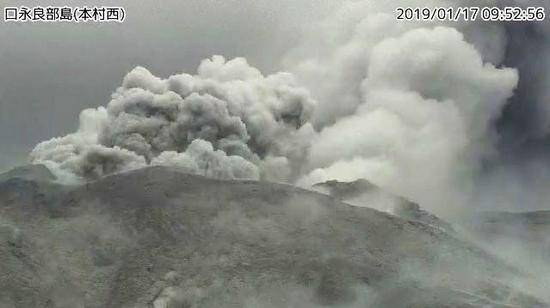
column 265, row 154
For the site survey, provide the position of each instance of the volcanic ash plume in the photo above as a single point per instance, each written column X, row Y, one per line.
column 409, row 106
column 332, row 58
column 228, row 121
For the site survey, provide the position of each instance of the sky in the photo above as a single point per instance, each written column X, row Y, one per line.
column 50, row 72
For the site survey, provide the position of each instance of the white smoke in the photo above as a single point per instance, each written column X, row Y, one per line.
column 228, row 121
column 201, row 158
column 409, row 106
column 333, row 58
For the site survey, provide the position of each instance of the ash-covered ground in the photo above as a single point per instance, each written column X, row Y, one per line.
column 259, row 153
column 159, row 237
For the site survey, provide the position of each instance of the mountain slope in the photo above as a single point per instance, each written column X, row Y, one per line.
column 157, row 237
column 363, row 193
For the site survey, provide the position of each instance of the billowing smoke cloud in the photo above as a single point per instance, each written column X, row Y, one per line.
column 426, row 115
column 334, row 57
column 410, row 105
column 228, row 121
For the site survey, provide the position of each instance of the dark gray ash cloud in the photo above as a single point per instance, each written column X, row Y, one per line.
column 50, row 72
column 432, row 111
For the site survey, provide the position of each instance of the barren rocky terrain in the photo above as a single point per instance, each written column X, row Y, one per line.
column 157, row 237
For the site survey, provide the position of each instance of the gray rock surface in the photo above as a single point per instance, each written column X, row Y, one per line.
column 29, row 172
column 157, row 237
column 360, row 193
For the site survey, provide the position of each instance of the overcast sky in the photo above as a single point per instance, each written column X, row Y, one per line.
column 49, row 72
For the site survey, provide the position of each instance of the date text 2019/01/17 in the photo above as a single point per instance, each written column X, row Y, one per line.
column 471, row 13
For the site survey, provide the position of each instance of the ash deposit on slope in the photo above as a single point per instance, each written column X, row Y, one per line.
column 156, row 237
column 424, row 119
